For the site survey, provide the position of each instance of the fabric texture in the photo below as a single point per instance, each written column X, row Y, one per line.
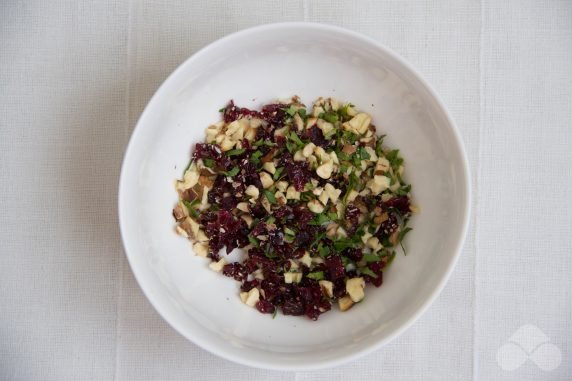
column 75, row 77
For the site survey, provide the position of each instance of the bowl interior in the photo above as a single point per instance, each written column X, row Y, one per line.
column 254, row 67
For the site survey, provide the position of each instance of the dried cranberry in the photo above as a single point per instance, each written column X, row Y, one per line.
column 316, row 136
column 232, row 113
column 235, row 270
column 387, row 227
column 335, row 267
column 265, row 307
column 377, row 268
column 400, row 203
column 293, row 306
column 355, row 254
column 249, row 285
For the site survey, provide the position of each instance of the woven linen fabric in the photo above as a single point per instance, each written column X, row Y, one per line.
column 75, row 77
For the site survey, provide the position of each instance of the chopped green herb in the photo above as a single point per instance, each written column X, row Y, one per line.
column 371, row 258
column 275, row 312
column 329, row 116
column 323, row 251
column 333, row 216
column 222, row 109
column 295, row 138
column 402, row 235
column 363, row 154
column 302, row 113
column 343, row 244
column 191, row 207
column 270, row 196
column 289, row 231
column 255, row 157
column 253, row 241
column 188, row 166
column 233, row 172
column 317, row 275
column 270, row 220
column 367, row 271
column 291, row 110
column 235, row 152
column 320, row 219
column 209, row 163
column 278, row 172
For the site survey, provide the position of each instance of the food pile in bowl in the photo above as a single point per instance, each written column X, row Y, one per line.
column 313, row 197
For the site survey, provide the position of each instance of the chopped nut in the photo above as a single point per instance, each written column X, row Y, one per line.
column 322, row 154
column 327, row 288
column 243, row 207
column 266, row 204
column 306, row 260
column 282, row 186
column 381, row 166
column 292, row 193
column 379, row 219
column 308, row 149
column 217, row 266
column 310, row 122
column 191, row 227
column 180, row 231
column 318, row 191
column 324, row 197
column 201, row 249
column 315, row 206
column 206, row 181
column 352, row 195
column 280, row 198
column 266, row 180
column 378, row 184
column 332, row 229
column 299, row 156
column 372, row 242
column 334, row 158
column 345, row 303
column 201, row 236
column 293, row 265
column 354, row 288
column 257, row 274
column 317, row 110
column 349, row 149
column 252, row 191
column 298, row 122
column 227, row 144
column 248, row 219
column 269, row 167
column 292, row 277
column 250, row 134
column 179, row 212
column 190, row 179
column 332, row 192
column 341, row 233
column 251, row 298
column 372, row 154
column 326, row 127
column 325, row 170
column 365, row 237
column 358, row 124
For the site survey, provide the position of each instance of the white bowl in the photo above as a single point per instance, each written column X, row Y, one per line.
column 252, row 67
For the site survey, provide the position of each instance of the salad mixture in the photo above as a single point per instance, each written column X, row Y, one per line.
column 314, row 198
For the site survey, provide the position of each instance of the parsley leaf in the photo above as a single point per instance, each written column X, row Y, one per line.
column 367, row 271
column 370, row 258
column 317, row 275
column 270, row 196
column 209, row 163
column 277, row 173
column 233, row 172
column 235, row 152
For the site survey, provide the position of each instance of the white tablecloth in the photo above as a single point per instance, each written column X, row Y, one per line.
column 74, row 76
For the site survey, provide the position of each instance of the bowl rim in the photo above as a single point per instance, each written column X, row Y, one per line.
column 408, row 322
